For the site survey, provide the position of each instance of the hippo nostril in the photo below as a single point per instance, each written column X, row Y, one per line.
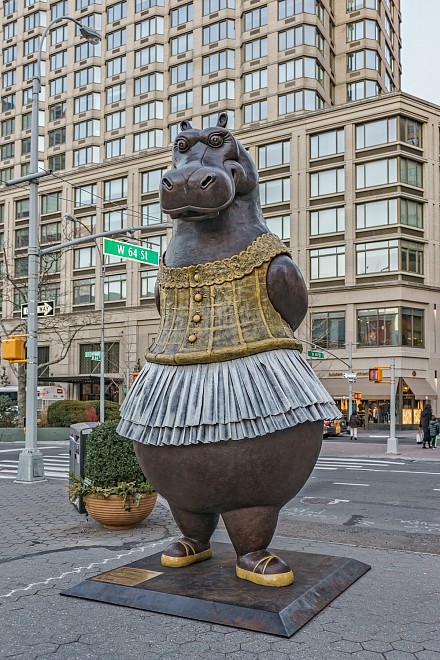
column 206, row 182
column 167, row 183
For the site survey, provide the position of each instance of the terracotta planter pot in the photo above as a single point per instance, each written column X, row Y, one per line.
column 110, row 513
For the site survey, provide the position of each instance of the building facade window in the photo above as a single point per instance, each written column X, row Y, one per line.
column 114, row 148
column 86, row 195
column 411, row 172
column 57, row 136
column 51, row 202
column 326, row 263
column 150, row 26
column 115, row 219
column 8, row 127
column 279, row 225
column 218, row 91
column 115, row 189
column 328, row 329
column 88, row 128
column 302, row 67
column 222, row 59
column 116, row 39
column 274, row 154
column 50, row 263
column 389, row 256
column 327, row 221
column 116, row 93
column 152, row 214
column 211, row 6
column 92, row 74
column 210, row 120
column 111, row 360
column 58, row 86
column 84, row 291
column 255, row 80
column 256, row 111
column 327, row 182
column 84, row 257
column 328, row 143
column 8, row 102
column 148, row 55
column 150, row 181
column 181, row 101
column 85, row 50
column 255, row 18
column 57, row 162
column 148, row 283
column 412, row 327
column 376, row 173
column 115, row 287
column 116, row 66
column 85, row 156
column 84, row 226
column 303, row 35
column 276, row 191
column 87, row 102
column 149, row 110
column 363, row 59
column 141, row 5
column 148, row 139
column 181, row 44
column 378, row 327
column 181, row 72
column 288, row 8
column 255, row 49
column 22, row 209
column 182, row 14
column 57, row 111
column 365, row 29
column 304, row 99
column 364, row 89
column 7, row 151
column 373, row 133
column 10, row 78
column 355, row 5
column 115, row 120
column 148, row 83
column 21, row 238
column 117, row 12
column 218, row 31
column 51, row 232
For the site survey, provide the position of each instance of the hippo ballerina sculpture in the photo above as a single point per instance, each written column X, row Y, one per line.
column 226, row 415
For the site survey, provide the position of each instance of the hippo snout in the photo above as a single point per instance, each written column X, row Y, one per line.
column 196, row 193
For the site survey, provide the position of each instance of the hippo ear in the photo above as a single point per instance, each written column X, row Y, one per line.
column 185, row 125
column 222, row 119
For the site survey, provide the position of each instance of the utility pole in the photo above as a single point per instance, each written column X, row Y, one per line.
column 350, row 380
column 102, row 363
column 393, row 442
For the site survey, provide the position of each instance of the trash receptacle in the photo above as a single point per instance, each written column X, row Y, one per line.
column 77, row 452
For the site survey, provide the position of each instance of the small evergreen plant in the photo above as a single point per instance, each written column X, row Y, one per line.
column 111, row 468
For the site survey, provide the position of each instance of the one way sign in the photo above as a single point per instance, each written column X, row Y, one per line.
column 44, row 308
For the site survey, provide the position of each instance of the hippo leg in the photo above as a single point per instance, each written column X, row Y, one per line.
column 194, row 546
column 251, row 530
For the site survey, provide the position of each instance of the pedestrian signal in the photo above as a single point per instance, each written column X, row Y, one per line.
column 13, row 349
column 375, row 375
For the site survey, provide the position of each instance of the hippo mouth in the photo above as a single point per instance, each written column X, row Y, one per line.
column 195, row 213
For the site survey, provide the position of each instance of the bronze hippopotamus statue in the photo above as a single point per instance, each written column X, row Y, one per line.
column 226, row 416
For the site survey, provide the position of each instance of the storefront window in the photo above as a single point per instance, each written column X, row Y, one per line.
column 378, row 327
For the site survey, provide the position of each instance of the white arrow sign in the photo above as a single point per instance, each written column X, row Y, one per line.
column 44, row 308
column 351, row 377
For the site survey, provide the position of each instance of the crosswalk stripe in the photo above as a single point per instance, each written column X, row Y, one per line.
column 54, row 466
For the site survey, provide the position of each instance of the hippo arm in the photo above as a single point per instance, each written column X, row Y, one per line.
column 287, row 290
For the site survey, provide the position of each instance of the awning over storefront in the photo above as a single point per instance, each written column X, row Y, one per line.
column 338, row 388
column 420, row 388
column 79, row 379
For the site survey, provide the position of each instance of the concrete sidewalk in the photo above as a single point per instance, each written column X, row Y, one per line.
column 342, row 445
column 46, row 546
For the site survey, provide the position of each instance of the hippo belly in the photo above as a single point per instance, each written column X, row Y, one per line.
column 224, row 476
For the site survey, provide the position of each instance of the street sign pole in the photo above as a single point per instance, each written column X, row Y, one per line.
column 350, row 380
column 393, row 442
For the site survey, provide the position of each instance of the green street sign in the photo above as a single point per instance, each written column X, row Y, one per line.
column 130, row 251
column 318, row 355
column 93, row 355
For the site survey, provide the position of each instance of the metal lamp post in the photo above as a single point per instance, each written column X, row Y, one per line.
column 30, row 464
column 69, row 216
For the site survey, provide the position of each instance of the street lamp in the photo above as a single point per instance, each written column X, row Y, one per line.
column 72, row 218
column 30, row 463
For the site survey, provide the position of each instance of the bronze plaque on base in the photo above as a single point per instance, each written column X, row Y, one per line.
column 210, row 591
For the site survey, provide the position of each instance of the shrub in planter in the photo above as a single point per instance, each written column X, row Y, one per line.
column 111, row 468
column 65, row 413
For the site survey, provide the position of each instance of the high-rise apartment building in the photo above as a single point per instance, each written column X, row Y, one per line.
column 349, row 171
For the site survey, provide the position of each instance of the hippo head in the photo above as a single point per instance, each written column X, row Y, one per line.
column 210, row 168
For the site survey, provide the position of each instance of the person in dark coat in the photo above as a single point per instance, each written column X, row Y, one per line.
column 434, row 430
column 425, row 418
column 353, row 423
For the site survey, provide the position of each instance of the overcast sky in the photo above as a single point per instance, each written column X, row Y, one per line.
column 421, row 48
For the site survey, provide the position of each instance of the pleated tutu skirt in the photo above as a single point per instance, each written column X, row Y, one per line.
column 231, row 400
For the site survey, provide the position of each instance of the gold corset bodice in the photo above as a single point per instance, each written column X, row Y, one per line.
column 220, row 310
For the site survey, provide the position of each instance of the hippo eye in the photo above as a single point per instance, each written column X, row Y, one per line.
column 182, row 145
column 215, row 140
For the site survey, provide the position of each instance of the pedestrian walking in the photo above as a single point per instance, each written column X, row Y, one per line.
column 375, row 414
column 425, row 418
column 353, row 423
column 434, row 430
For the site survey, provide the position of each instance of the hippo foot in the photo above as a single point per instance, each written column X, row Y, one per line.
column 185, row 552
column 265, row 569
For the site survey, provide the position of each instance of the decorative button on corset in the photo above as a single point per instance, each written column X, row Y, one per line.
column 192, row 339
column 196, row 277
column 196, row 318
column 198, row 297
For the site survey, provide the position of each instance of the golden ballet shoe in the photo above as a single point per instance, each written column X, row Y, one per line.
column 279, row 579
column 189, row 557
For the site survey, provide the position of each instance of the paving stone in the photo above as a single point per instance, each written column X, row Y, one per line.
column 432, row 645
column 346, row 646
column 408, row 646
column 399, row 655
column 428, row 655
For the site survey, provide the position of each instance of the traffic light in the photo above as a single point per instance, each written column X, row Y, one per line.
column 375, row 374
column 13, row 348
